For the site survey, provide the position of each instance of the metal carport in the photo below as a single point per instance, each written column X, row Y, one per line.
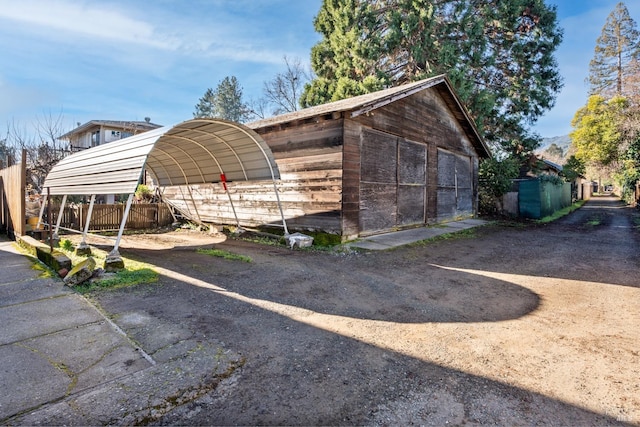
column 197, row 151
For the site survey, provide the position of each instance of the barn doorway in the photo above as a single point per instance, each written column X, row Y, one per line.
column 393, row 184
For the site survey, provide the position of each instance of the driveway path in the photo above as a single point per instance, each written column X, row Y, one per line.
column 512, row 324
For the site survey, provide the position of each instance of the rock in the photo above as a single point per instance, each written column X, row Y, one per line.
column 83, row 249
column 54, row 259
column 113, row 262
column 63, row 272
column 80, row 273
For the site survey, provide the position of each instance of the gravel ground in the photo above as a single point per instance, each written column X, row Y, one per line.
column 511, row 325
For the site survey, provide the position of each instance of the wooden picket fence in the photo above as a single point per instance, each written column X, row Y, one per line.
column 108, row 217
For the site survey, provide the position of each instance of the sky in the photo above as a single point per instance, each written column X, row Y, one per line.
column 130, row 59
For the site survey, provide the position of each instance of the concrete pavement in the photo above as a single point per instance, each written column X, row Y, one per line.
column 404, row 237
column 63, row 362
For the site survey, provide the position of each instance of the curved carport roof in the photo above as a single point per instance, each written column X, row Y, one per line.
column 196, row 151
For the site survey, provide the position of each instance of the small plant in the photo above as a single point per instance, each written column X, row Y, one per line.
column 66, row 244
column 224, row 254
column 143, row 193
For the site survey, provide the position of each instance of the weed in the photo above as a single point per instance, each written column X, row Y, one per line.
column 66, row 245
column 224, row 254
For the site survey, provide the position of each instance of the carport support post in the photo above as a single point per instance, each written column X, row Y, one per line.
column 284, row 223
column 59, row 219
column 83, row 247
column 223, row 179
column 114, row 261
column 114, row 252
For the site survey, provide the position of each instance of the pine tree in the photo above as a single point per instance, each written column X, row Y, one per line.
column 225, row 102
column 205, row 106
column 499, row 56
column 616, row 55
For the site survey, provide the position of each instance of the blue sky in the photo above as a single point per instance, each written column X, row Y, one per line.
column 126, row 60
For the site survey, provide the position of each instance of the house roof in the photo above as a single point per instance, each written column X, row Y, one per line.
column 365, row 103
column 558, row 168
column 120, row 124
column 196, row 151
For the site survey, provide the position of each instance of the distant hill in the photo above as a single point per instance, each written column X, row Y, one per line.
column 561, row 141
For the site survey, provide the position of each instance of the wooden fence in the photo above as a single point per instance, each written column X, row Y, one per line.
column 109, row 217
column 12, row 199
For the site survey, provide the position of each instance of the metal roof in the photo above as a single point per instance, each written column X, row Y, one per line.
column 365, row 103
column 196, row 151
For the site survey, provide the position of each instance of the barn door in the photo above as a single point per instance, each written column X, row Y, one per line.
column 378, row 182
column 392, row 182
column 455, row 190
column 412, row 183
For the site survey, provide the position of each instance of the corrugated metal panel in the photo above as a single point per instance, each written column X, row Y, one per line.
column 197, row 151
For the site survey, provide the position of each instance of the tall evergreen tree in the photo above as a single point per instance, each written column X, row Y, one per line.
column 616, row 54
column 225, row 102
column 499, row 56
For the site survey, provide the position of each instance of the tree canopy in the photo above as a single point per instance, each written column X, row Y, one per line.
column 596, row 135
column 499, row 56
column 616, row 55
column 225, row 102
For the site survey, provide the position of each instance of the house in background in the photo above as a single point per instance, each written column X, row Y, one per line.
column 97, row 132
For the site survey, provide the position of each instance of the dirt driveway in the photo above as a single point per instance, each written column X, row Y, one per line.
column 514, row 325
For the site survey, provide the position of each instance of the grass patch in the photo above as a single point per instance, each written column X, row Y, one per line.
column 134, row 272
column 224, row 254
column 562, row 212
column 461, row 234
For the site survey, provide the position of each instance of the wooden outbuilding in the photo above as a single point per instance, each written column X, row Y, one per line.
column 403, row 157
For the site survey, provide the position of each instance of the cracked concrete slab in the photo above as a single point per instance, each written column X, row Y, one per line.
column 65, row 363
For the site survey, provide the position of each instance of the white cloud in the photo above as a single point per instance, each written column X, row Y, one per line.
column 97, row 21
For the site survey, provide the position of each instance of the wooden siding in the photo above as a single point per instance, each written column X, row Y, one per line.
column 12, row 198
column 427, row 119
column 309, row 158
